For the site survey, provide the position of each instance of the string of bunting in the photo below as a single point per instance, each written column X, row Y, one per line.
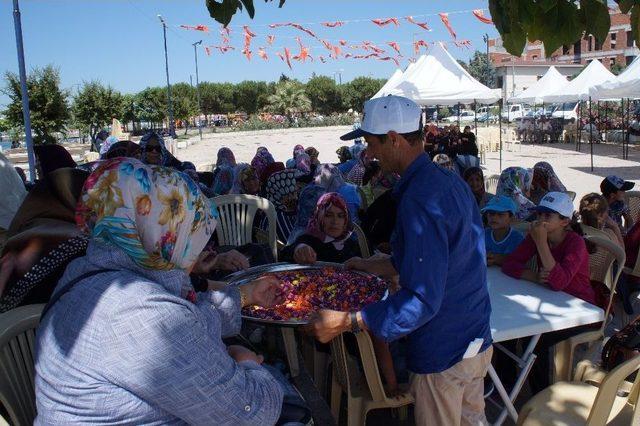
column 336, row 47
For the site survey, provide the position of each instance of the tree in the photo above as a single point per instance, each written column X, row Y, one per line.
column 617, row 68
column 216, row 98
column 481, row 69
column 324, row 94
column 185, row 103
column 289, row 100
column 95, row 106
column 359, row 90
column 129, row 110
column 152, row 105
column 463, row 64
column 250, row 96
column 223, row 10
column 47, row 103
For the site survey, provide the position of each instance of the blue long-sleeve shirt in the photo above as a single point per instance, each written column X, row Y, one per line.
column 438, row 249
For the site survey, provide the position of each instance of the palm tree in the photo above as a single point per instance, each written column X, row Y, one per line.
column 289, row 100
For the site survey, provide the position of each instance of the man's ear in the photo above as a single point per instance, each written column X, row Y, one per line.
column 394, row 138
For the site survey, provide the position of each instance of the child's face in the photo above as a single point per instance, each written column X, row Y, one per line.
column 334, row 222
column 475, row 183
column 499, row 220
column 553, row 220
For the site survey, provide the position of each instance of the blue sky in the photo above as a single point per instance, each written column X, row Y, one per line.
column 119, row 42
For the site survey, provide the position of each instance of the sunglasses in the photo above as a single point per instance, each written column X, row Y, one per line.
column 155, row 148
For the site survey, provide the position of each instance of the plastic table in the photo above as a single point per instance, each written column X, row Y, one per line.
column 524, row 309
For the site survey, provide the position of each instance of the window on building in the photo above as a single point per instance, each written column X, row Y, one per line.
column 612, row 62
column 613, row 37
column 565, row 50
column 534, row 57
column 628, row 59
column 500, row 81
column 629, row 39
column 590, row 44
column 577, row 47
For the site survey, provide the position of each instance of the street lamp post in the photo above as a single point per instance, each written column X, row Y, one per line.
column 195, row 53
column 172, row 126
column 26, row 115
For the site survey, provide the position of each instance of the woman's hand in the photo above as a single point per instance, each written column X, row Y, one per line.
column 240, row 353
column 265, row 291
column 538, row 232
column 304, row 254
column 230, row 261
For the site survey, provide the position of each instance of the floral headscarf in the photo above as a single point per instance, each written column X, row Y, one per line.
column 279, row 185
column 443, row 161
column 261, row 160
column 145, row 141
column 514, row 183
column 329, row 177
column 223, row 180
column 297, row 150
column 241, row 174
column 269, row 170
column 545, row 178
column 225, row 158
column 314, row 228
column 156, row 215
column 107, row 144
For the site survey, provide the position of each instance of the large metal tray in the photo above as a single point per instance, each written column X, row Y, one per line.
column 241, row 278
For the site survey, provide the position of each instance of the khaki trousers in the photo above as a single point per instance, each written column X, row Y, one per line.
column 454, row 396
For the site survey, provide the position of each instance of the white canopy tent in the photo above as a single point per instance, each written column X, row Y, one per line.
column 438, row 79
column 551, row 82
column 578, row 89
column 397, row 75
column 626, row 85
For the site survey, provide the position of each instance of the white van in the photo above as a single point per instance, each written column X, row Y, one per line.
column 514, row 111
column 567, row 110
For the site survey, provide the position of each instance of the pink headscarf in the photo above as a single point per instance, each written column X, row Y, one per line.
column 314, row 227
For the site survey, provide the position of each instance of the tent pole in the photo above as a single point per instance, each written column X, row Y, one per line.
column 599, row 119
column 606, row 124
column 458, row 115
column 622, row 125
column 545, row 118
column 534, row 123
column 578, row 118
column 475, row 118
column 626, row 152
column 500, row 130
column 591, row 133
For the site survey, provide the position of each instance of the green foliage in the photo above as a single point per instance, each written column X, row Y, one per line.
column 47, row 103
column 185, row 101
column 481, row 69
column 151, row 104
column 4, row 125
column 250, row 96
column 617, row 68
column 223, row 10
column 95, row 106
column 217, row 98
column 289, row 100
column 324, row 94
column 359, row 90
column 554, row 22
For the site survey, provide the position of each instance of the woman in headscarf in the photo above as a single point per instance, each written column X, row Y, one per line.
column 223, row 180
column 356, row 174
column 377, row 182
column 125, row 325
column 327, row 236
column 314, row 154
column 155, row 153
column 245, row 180
column 123, row 149
column 444, row 161
column 291, row 162
column 515, row 183
column 545, row 180
column 266, row 172
column 329, row 177
column 50, row 158
column 303, row 164
column 225, row 157
column 475, row 179
column 282, row 191
column 261, row 160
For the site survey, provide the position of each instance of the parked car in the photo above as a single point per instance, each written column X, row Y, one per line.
column 515, row 111
column 466, row 116
column 567, row 110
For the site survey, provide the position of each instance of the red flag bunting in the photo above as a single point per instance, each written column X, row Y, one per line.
column 304, row 52
column 373, row 47
column 389, row 58
column 370, row 55
column 383, row 22
column 417, row 44
column 327, row 45
column 262, row 53
column 207, row 50
column 270, row 39
column 343, row 43
column 287, row 55
column 422, row 25
column 463, row 43
column 332, row 24
column 225, row 30
column 445, row 20
column 480, row 15
column 294, row 25
column 247, row 53
column 337, row 51
column 248, row 35
column 202, row 28
column 395, row 46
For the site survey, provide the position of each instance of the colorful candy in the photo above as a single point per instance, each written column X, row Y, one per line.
column 328, row 288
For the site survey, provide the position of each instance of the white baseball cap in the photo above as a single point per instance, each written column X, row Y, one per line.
column 556, row 202
column 387, row 113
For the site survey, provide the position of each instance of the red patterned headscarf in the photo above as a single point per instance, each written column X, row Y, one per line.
column 314, row 227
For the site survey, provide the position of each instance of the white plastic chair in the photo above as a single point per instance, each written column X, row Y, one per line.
column 491, row 183
column 17, row 341
column 362, row 242
column 237, row 213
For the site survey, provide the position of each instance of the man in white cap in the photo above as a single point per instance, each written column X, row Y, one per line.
column 443, row 304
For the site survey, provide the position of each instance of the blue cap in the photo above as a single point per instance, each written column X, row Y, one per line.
column 500, row 203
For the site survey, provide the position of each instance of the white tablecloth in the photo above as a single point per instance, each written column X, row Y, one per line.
column 520, row 308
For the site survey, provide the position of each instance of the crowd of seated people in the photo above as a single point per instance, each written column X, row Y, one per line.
column 135, row 232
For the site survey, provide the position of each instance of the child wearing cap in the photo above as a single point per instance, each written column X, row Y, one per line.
column 500, row 238
column 555, row 238
column 613, row 189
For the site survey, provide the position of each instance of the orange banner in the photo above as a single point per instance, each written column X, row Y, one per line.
column 478, row 13
column 422, row 25
column 383, row 22
column 444, row 17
